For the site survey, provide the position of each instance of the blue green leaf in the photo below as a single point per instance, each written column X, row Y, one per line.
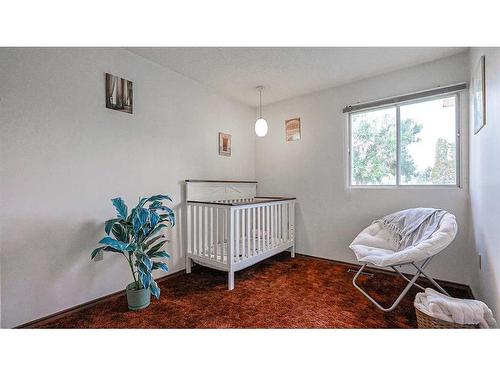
column 121, row 207
column 109, row 224
column 117, row 245
column 136, row 225
column 120, row 232
column 141, row 267
column 142, row 201
column 156, row 230
column 131, row 247
column 160, row 266
column 165, row 208
column 111, row 250
column 145, row 279
column 143, row 215
column 132, row 214
column 155, row 291
column 142, row 258
column 96, row 251
column 155, row 248
column 154, row 218
column 157, row 197
column 155, row 205
column 140, row 220
column 160, row 254
column 147, row 244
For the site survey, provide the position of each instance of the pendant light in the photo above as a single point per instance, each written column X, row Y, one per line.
column 260, row 124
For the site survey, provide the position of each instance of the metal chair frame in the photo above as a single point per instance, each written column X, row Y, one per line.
column 411, row 282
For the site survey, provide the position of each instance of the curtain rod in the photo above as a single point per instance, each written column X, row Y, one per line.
column 405, row 98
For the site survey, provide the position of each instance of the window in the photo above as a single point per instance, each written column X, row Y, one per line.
column 413, row 143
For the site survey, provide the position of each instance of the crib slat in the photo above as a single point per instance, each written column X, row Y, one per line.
column 272, row 224
column 196, row 229
column 211, row 249
column 275, row 224
column 243, row 227
column 280, row 223
column 253, row 230
column 264, row 227
column 268, row 227
column 204, row 231
column 287, row 218
column 225, row 234
column 216, row 237
column 192, row 230
column 201, row 248
column 189, row 228
column 230, row 228
column 248, row 254
column 259, row 229
column 237, row 233
column 283, row 218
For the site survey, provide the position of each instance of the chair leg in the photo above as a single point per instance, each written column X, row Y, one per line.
column 420, row 269
column 407, row 279
column 396, row 302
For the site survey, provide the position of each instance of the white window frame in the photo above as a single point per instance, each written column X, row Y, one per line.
column 397, row 106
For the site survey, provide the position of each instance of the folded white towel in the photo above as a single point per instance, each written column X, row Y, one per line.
column 461, row 311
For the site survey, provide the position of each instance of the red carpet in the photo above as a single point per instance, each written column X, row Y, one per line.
column 278, row 293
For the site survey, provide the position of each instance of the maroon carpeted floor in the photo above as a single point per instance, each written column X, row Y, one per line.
column 278, row 293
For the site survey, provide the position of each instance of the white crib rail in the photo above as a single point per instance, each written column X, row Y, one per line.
column 208, row 231
column 232, row 237
column 261, row 227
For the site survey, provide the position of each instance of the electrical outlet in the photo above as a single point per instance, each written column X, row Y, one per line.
column 99, row 256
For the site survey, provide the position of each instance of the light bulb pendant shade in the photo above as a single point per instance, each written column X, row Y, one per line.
column 261, row 127
column 260, row 124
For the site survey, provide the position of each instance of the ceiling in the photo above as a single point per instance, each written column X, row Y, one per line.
column 286, row 72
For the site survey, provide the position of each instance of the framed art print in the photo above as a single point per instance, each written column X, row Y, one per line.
column 224, row 144
column 119, row 94
column 292, row 129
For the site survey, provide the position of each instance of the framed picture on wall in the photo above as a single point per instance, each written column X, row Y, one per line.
column 292, row 129
column 119, row 94
column 224, row 144
column 478, row 95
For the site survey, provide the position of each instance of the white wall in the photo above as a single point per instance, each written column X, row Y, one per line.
column 485, row 182
column 64, row 156
column 329, row 215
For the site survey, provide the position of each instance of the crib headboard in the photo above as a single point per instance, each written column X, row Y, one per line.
column 214, row 190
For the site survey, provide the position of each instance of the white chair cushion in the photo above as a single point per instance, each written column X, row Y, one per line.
column 373, row 244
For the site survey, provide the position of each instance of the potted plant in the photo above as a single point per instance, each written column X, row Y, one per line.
column 137, row 236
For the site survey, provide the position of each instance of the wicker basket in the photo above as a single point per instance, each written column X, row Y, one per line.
column 426, row 321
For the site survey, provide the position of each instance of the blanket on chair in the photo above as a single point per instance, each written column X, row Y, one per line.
column 409, row 227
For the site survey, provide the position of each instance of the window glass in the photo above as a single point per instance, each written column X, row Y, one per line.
column 374, row 147
column 428, row 142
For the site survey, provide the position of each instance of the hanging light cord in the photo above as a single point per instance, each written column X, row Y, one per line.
column 260, row 102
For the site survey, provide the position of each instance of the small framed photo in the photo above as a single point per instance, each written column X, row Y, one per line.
column 478, row 95
column 292, row 129
column 119, row 94
column 224, row 144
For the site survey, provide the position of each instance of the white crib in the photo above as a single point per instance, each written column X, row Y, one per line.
column 229, row 228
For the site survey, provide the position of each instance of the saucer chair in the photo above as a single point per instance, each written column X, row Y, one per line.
column 373, row 246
